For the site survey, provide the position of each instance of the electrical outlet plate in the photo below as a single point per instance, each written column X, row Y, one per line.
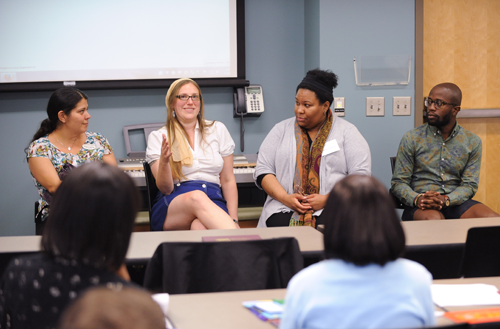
column 375, row 106
column 339, row 106
column 401, row 105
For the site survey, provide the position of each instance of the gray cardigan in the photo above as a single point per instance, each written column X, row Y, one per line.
column 278, row 151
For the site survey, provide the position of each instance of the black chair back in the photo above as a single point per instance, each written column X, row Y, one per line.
column 398, row 204
column 482, row 252
column 151, row 187
column 195, row 267
column 39, row 224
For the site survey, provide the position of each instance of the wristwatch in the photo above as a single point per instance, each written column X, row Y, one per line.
column 447, row 201
column 415, row 202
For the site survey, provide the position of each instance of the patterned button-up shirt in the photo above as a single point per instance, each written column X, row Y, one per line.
column 427, row 162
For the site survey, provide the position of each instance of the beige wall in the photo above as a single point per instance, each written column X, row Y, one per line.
column 462, row 45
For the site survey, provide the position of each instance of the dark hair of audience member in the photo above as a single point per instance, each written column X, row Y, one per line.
column 103, row 308
column 324, row 77
column 361, row 224
column 92, row 216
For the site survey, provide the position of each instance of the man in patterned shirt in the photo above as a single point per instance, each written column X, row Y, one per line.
column 438, row 163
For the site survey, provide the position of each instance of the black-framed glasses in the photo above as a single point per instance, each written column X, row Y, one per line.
column 185, row 98
column 437, row 103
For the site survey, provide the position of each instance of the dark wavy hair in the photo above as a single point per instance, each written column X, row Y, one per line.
column 63, row 99
column 92, row 216
column 361, row 224
column 324, row 77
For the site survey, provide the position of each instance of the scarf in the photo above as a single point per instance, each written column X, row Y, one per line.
column 180, row 148
column 308, row 159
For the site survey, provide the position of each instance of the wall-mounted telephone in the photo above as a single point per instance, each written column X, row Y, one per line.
column 248, row 101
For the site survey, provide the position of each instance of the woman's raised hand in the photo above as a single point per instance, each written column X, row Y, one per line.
column 166, row 153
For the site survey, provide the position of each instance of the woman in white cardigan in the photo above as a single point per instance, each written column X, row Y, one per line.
column 303, row 157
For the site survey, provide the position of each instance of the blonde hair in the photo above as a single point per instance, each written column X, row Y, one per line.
column 173, row 122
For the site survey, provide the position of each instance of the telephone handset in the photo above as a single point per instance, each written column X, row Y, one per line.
column 248, row 101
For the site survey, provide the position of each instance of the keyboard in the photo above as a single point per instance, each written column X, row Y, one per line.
column 243, row 172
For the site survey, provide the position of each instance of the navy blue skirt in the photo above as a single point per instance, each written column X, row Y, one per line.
column 162, row 201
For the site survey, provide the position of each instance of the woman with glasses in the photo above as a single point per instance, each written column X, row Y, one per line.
column 192, row 161
column 303, row 157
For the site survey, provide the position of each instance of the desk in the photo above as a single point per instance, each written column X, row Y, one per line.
column 221, row 310
column 225, row 310
column 143, row 244
column 439, row 244
column 495, row 281
column 442, row 232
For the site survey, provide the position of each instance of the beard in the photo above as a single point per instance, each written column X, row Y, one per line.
column 440, row 122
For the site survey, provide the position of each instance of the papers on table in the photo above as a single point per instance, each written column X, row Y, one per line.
column 266, row 310
column 464, row 294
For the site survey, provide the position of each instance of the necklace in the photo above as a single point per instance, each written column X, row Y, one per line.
column 68, row 147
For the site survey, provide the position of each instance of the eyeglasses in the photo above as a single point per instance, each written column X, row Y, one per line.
column 185, row 98
column 437, row 103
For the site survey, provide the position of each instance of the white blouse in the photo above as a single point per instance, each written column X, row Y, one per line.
column 207, row 155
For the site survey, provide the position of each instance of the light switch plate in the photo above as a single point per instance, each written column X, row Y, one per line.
column 401, row 105
column 375, row 106
column 339, row 106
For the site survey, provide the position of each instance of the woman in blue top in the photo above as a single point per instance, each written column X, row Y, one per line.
column 363, row 283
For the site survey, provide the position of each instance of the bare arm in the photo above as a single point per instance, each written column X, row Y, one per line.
column 274, row 189
column 229, row 189
column 109, row 159
column 123, row 272
column 161, row 169
column 45, row 173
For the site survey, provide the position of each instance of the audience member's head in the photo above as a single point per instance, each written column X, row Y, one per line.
column 103, row 308
column 92, row 216
column 361, row 224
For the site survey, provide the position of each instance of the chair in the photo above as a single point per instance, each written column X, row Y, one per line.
column 398, row 204
column 195, row 267
column 151, row 187
column 482, row 252
column 39, row 224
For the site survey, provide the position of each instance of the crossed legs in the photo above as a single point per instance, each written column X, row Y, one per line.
column 194, row 210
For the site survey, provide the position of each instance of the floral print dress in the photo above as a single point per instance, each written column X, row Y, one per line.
column 94, row 148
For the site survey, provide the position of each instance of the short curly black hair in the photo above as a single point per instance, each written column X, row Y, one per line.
column 324, row 77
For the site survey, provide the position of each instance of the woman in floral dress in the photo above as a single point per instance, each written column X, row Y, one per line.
column 63, row 142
